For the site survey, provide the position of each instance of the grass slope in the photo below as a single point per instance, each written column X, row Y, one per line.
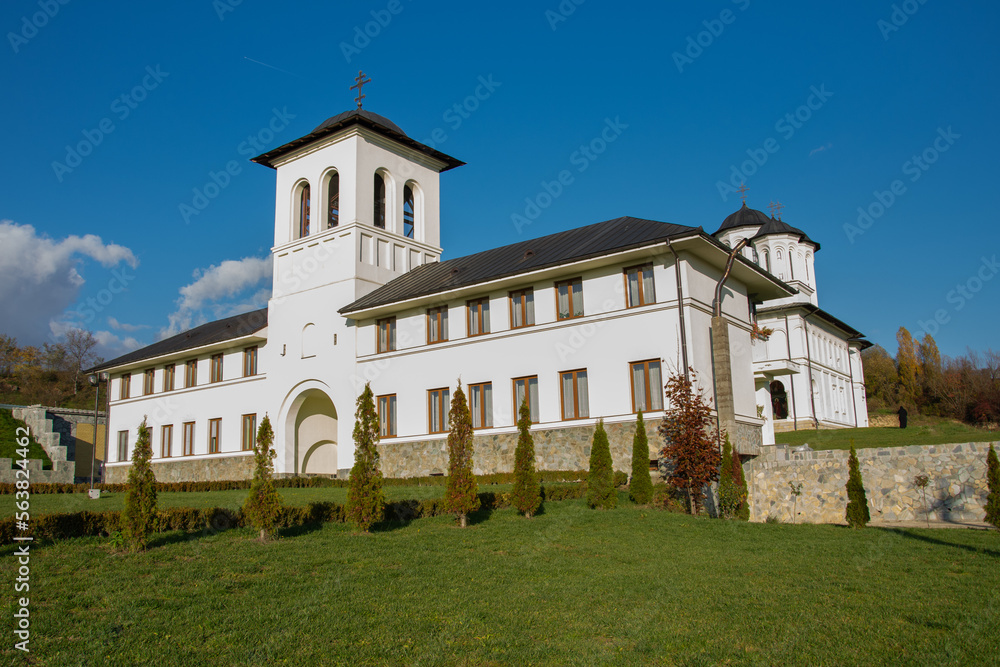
column 570, row 587
column 920, row 430
column 8, row 440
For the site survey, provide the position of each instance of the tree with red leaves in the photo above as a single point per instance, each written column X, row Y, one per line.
column 690, row 438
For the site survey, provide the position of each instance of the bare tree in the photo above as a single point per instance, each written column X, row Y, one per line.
column 9, row 355
column 80, row 354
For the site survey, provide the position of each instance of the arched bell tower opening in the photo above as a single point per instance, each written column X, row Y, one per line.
column 311, row 434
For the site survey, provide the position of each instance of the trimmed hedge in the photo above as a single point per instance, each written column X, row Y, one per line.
column 86, row 523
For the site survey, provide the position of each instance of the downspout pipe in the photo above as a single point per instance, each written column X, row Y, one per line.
column 680, row 311
column 812, row 392
column 717, row 303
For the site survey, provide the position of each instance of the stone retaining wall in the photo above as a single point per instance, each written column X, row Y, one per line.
column 190, row 470
column 956, row 492
column 42, row 422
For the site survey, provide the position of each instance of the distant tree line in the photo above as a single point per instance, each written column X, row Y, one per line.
column 966, row 388
column 51, row 374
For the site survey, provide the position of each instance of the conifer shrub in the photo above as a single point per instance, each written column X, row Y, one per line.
column 526, row 495
column 461, row 495
column 993, row 484
column 640, row 488
column 365, row 500
column 743, row 509
column 857, row 503
column 601, row 490
column 139, row 518
column 729, row 500
column 263, row 503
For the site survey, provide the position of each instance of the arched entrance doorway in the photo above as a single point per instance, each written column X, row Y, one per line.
column 312, row 434
column 779, row 400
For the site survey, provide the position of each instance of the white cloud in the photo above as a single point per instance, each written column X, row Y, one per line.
column 40, row 277
column 820, row 149
column 122, row 326
column 215, row 287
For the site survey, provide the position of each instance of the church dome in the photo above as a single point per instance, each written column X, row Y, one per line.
column 773, row 226
column 745, row 217
column 381, row 121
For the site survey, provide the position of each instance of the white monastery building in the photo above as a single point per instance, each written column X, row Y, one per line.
column 587, row 323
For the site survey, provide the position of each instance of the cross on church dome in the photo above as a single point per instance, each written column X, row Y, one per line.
column 360, row 81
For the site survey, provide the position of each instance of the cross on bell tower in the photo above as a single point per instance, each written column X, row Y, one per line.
column 743, row 189
column 775, row 208
column 360, row 81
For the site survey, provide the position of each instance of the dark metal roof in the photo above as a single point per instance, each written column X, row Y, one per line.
column 572, row 245
column 778, row 227
column 810, row 309
column 364, row 118
column 745, row 217
column 207, row 334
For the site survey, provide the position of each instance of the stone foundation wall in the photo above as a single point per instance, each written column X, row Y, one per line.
column 190, row 470
column 555, row 449
column 956, row 492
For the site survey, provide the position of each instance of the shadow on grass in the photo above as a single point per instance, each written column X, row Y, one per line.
column 907, row 533
column 301, row 529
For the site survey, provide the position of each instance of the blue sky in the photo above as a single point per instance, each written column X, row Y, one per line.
column 823, row 106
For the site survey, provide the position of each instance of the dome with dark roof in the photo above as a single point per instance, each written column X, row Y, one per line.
column 745, row 217
column 384, row 122
column 773, row 226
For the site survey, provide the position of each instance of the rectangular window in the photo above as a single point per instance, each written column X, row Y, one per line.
column 250, row 362
column 479, row 316
column 216, row 370
column 647, row 386
column 526, row 386
column 569, row 299
column 387, row 416
column 214, row 435
column 639, row 285
column 437, row 324
column 123, row 445
column 168, row 377
column 124, row 386
column 387, row 334
column 575, row 397
column 188, row 438
column 147, row 381
column 481, row 404
column 522, row 308
column 191, row 373
column 249, row 432
column 166, row 440
column 438, row 409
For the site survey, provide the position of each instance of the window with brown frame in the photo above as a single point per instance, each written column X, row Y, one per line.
column 249, row 435
column 526, row 386
column 250, row 361
column 304, row 211
column 437, row 324
column 378, row 205
column 387, row 416
column 522, row 308
column 333, row 197
column 481, row 404
column 191, row 373
column 214, row 436
column 387, row 335
column 147, row 381
column 639, row 288
column 647, row 385
column 168, row 377
column 438, row 409
column 123, row 445
column 479, row 316
column 166, row 440
column 575, row 395
column 215, row 374
column 569, row 299
column 409, row 212
column 188, row 438
column 125, row 386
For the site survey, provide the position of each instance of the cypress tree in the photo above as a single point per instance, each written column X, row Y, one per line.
column 462, row 494
column 526, row 495
column 263, row 503
column 743, row 509
column 728, row 493
column 365, row 500
column 640, row 487
column 140, row 503
column 993, row 483
column 857, row 502
column 601, row 480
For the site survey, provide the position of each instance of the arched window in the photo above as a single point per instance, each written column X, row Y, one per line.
column 409, row 212
column 379, row 203
column 767, row 261
column 808, row 258
column 333, row 199
column 304, row 214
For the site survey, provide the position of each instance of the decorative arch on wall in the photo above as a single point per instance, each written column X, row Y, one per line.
column 301, row 209
column 412, row 210
column 331, row 198
column 766, row 260
column 310, row 340
column 382, row 196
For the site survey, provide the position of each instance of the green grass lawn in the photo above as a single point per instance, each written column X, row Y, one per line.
column 8, row 440
column 570, row 587
column 920, row 430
